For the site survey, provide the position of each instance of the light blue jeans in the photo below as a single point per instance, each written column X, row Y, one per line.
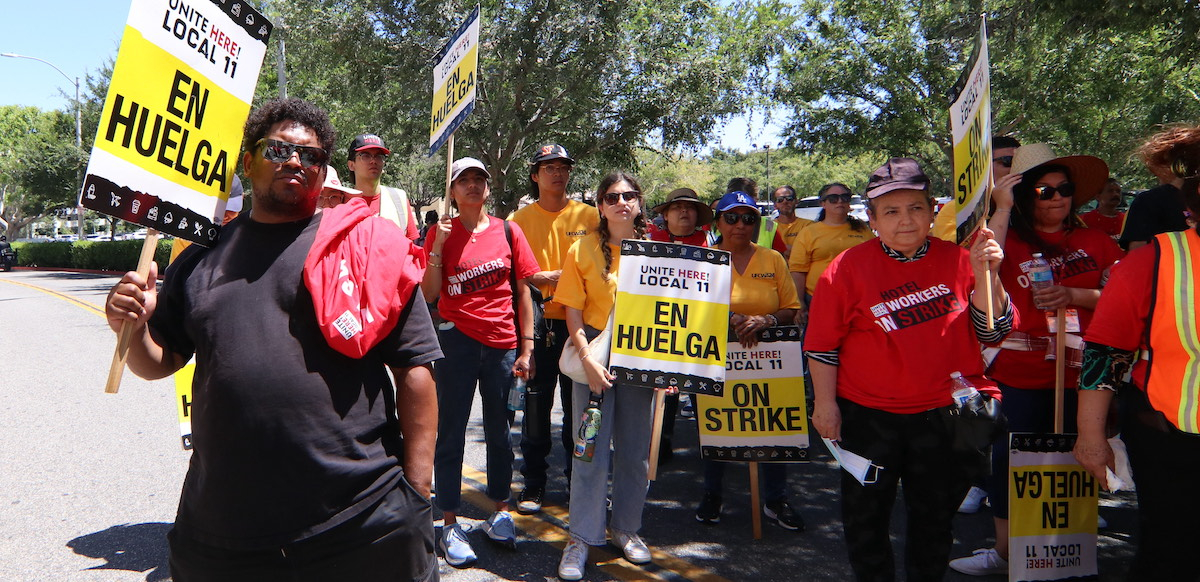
column 627, row 415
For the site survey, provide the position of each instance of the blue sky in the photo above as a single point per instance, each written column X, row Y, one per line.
column 78, row 36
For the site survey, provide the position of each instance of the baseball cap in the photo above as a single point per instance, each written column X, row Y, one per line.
column 367, row 141
column 897, row 174
column 463, row 164
column 703, row 212
column 549, row 152
column 332, row 181
column 735, row 199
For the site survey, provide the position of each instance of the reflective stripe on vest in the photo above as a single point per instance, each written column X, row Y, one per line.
column 1173, row 385
column 766, row 233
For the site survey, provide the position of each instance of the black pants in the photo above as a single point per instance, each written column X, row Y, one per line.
column 915, row 449
column 536, row 440
column 392, row 541
column 1165, row 471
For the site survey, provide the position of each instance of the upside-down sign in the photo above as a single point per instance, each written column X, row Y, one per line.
column 672, row 316
column 171, row 129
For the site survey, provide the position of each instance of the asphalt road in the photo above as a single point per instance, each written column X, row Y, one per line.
column 89, row 481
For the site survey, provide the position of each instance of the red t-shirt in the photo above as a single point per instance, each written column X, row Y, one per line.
column 900, row 329
column 1090, row 253
column 1122, row 314
column 476, row 295
column 1111, row 225
column 698, row 238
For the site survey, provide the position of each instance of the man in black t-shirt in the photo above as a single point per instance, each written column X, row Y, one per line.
column 307, row 464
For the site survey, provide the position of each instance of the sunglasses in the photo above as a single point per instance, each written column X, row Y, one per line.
column 786, row 199
column 1005, row 161
column 613, row 197
column 1066, row 190
column 747, row 219
column 280, row 152
column 834, row 198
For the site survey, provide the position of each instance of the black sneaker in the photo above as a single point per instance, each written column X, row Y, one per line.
column 530, row 501
column 781, row 513
column 709, row 510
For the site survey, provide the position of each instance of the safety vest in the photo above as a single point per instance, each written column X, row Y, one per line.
column 766, row 233
column 1173, row 380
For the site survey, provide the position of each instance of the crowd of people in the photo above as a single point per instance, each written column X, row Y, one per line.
column 331, row 408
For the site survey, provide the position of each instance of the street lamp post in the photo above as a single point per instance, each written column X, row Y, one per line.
column 78, row 126
column 767, row 183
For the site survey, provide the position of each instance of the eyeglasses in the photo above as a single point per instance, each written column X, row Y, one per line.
column 613, row 197
column 371, row 156
column 786, row 199
column 835, row 198
column 1066, row 190
column 280, row 152
column 747, row 218
column 1005, row 161
column 556, row 168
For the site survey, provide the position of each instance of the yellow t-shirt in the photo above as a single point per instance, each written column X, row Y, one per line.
column 550, row 234
column 945, row 224
column 789, row 232
column 764, row 287
column 818, row 245
column 583, row 285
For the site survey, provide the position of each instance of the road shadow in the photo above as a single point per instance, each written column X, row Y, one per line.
column 139, row 547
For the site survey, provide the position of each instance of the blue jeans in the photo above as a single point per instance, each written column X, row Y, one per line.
column 1026, row 411
column 626, row 424
column 468, row 362
column 774, row 479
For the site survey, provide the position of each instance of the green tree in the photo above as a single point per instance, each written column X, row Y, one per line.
column 39, row 164
column 597, row 77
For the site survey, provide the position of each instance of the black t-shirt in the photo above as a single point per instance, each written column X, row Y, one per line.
column 290, row 437
column 1155, row 211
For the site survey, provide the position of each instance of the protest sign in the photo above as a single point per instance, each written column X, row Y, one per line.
column 971, row 134
column 672, row 316
column 171, row 128
column 454, row 80
column 1052, row 510
column 762, row 416
column 183, row 401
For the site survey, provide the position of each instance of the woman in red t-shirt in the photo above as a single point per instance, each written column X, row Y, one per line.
column 471, row 268
column 1041, row 195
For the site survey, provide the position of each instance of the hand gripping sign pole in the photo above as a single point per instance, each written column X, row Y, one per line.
column 191, row 70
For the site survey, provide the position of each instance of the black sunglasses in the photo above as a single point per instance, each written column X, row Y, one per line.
column 732, row 218
column 837, row 198
column 1005, row 161
column 279, row 152
column 1066, row 190
column 613, row 197
column 786, row 199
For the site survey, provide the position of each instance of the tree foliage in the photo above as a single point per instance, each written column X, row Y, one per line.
column 597, row 77
column 39, row 163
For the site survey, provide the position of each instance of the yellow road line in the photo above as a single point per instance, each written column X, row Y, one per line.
column 612, row 563
column 68, row 298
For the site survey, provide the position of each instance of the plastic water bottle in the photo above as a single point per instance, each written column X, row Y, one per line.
column 516, row 394
column 1041, row 276
column 589, row 425
column 965, row 395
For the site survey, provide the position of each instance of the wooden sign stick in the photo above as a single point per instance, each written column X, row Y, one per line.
column 122, row 352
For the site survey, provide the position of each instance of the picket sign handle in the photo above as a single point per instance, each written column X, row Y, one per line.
column 755, row 504
column 660, row 399
column 1060, row 367
column 122, row 352
column 449, row 173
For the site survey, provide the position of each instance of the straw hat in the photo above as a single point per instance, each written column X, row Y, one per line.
column 1088, row 173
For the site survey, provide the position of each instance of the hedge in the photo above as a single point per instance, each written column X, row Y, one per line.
column 116, row 255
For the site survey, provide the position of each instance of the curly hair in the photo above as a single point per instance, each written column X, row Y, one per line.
column 602, row 233
column 291, row 109
column 1176, row 149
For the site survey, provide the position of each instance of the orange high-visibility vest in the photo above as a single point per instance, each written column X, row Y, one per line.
column 1173, row 379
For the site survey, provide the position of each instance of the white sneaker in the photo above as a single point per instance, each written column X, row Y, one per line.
column 982, row 563
column 633, row 546
column 974, row 498
column 574, row 560
column 455, row 547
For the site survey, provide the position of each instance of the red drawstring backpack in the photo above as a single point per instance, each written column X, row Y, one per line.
column 360, row 271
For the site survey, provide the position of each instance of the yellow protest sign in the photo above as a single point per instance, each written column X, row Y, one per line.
column 672, row 316
column 454, row 81
column 762, row 416
column 170, row 132
column 971, row 134
column 183, row 401
column 1052, row 510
